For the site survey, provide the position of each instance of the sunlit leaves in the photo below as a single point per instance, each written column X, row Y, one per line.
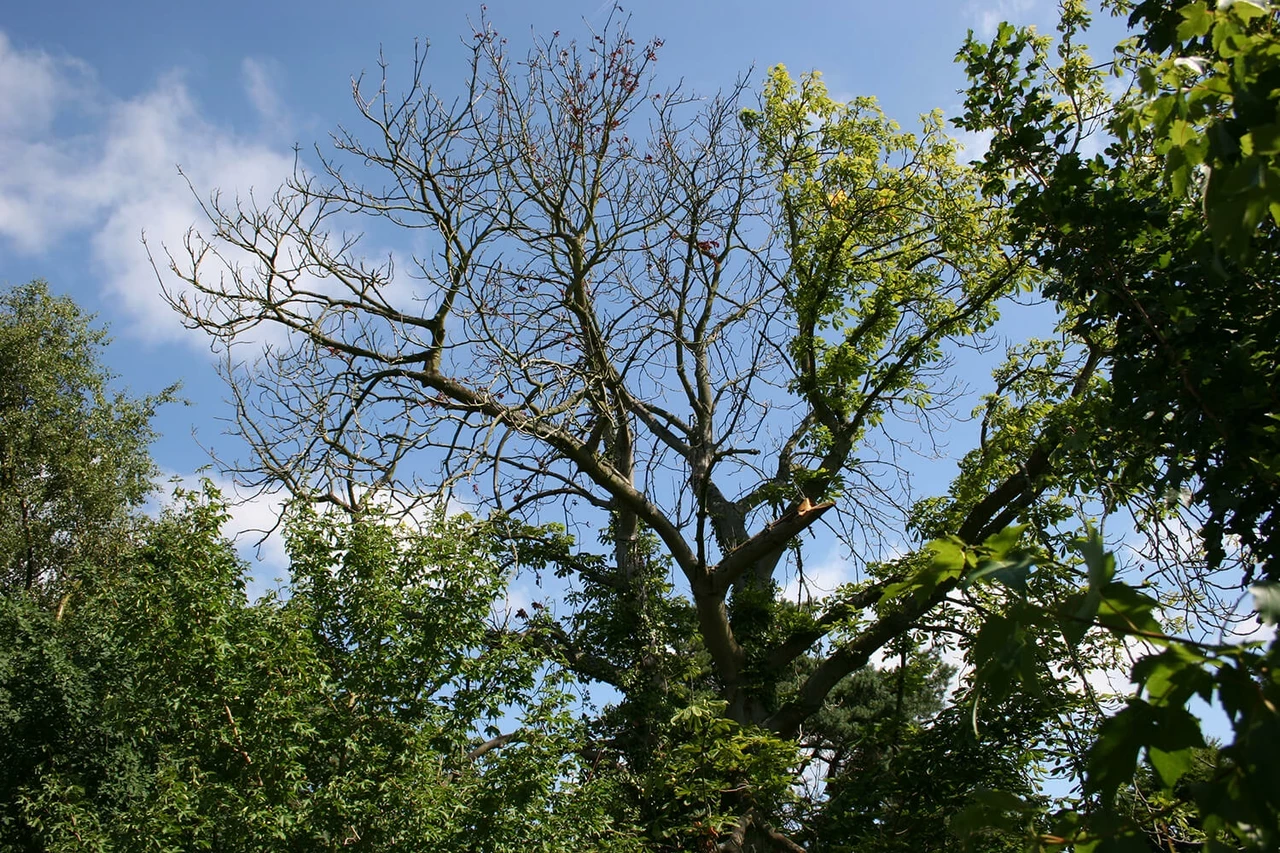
column 892, row 251
column 167, row 707
column 1266, row 597
column 706, row 758
column 1186, row 330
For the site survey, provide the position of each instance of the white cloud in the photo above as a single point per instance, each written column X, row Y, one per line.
column 259, row 540
column 117, row 176
column 36, row 195
column 262, row 94
column 34, row 85
column 1249, row 627
column 820, row 579
column 973, row 144
column 517, row 598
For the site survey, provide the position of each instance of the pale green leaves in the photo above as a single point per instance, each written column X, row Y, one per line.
column 1266, row 600
column 1197, row 21
column 891, row 249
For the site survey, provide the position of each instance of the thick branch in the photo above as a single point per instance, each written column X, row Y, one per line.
column 491, row 744
column 600, row 471
column 851, row 656
column 772, row 539
column 801, row 641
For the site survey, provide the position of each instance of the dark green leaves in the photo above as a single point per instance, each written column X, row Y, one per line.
column 1168, row 731
column 1216, row 80
column 1004, row 558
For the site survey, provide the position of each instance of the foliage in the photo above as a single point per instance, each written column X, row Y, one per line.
column 1189, row 333
column 1235, row 801
column 904, row 761
column 166, row 712
column 705, row 330
column 73, row 456
column 1157, row 251
column 1169, row 817
column 707, row 768
column 1210, row 108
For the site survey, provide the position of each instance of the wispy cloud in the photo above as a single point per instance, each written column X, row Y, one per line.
column 115, row 175
column 260, row 87
column 973, row 144
column 819, row 579
column 35, row 84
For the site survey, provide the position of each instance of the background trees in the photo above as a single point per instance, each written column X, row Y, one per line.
column 146, row 703
column 73, row 456
column 165, row 711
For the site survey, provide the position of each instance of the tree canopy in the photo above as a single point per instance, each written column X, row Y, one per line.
column 1154, row 246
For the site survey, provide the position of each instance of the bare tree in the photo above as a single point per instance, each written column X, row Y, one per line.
column 713, row 324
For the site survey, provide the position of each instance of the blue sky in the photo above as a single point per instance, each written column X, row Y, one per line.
column 101, row 102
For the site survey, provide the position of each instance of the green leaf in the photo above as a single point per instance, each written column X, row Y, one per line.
column 1079, row 611
column 1170, row 766
column 1247, row 10
column 1178, row 170
column 1101, row 563
column 1147, row 79
column 1174, row 728
column 947, row 562
column 1114, row 753
column 1196, row 22
column 1001, row 543
column 1126, row 610
column 1011, row 573
column 1129, row 842
column 1173, row 676
column 1181, row 133
column 989, row 809
column 1266, row 600
column 948, row 555
column 1262, row 139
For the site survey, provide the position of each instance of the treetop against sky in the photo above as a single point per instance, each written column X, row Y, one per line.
column 100, row 106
